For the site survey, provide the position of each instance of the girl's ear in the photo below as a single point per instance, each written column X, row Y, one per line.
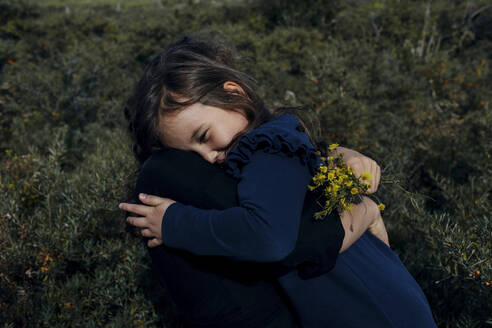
column 233, row 87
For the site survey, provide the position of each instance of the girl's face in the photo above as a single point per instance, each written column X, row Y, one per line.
column 204, row 129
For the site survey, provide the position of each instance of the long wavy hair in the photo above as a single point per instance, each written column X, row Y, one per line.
column 195, row 69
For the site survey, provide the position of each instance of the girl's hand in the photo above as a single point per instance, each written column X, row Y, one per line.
column 360, row 164
column 150, row 220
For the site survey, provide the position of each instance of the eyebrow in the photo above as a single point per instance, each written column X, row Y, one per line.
column 194, row 135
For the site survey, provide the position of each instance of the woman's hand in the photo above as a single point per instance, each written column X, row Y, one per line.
column 150, row 220
column 360, row 164
column 363, row 216
column 378, row 229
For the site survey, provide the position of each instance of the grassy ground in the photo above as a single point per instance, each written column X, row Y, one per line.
column 126, row 4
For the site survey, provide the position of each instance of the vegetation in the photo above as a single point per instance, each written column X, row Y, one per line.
column 405, row 82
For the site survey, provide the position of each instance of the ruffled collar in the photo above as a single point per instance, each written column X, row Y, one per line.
column 281, row 135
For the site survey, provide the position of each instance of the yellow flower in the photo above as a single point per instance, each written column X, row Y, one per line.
column 347, row 206
column 318, row 177
column 339, row 184
column 318, row 153
column 366, row 176
column 331, row 175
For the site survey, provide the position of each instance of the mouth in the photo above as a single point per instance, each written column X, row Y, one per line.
column 221, row 158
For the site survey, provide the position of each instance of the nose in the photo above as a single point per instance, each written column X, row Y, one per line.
column 211, row 156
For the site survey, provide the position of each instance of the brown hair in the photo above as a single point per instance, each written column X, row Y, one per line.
column 194, row 68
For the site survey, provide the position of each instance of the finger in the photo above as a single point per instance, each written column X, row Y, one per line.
column 378, row 177
column 151, row 200
column 373, row 177
column 373, row 172
column 154, row 242
column 143, row 210
column 375, row 180
column 140, row 222
column 355, row 166
column 146, row 233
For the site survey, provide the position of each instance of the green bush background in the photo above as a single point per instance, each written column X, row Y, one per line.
column 406, row 82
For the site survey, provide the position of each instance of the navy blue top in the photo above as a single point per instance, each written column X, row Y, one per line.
column 369, row 286
column 274, row 164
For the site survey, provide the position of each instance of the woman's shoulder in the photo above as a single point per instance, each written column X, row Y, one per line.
column 171, row 159
column 174, row 166
column 283, row 135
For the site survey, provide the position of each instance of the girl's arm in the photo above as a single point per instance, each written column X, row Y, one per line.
column 355, row 222
column 263, row 228
column 187, row 178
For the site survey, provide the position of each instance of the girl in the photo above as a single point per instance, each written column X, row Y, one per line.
column 204, row 105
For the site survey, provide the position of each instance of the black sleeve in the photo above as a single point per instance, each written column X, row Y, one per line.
column 188, row 179
column 318, row 242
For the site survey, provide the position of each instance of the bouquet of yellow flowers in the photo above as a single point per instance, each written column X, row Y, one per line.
column 338, row 186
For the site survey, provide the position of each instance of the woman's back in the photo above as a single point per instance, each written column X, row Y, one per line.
column 209, row 291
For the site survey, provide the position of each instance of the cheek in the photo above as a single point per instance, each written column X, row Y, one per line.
column 225, row 138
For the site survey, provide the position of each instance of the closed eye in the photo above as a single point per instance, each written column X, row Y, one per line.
column 203, row 137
